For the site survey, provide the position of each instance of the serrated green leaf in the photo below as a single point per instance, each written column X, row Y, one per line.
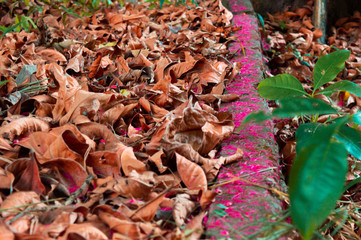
column 302, row 106
column 280, row 86
column 352, row 140
column 345, row 85
column 328, row 66
column 317, row 180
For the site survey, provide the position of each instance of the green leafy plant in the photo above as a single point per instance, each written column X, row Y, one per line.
column 317, row 177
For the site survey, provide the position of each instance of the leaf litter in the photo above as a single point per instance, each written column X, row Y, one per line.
column 110, row 123
column 291, row 46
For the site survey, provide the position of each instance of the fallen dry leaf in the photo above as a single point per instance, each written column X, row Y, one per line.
column 114, row 115
column 17, row 201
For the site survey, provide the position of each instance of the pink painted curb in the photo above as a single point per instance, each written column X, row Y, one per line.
column 246, row 205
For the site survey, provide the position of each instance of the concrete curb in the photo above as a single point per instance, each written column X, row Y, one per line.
column 246, row 204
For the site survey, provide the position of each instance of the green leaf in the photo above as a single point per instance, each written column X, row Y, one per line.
column 18, row 23
column 348, row 86
column 352, row 140
column 260, row 19
column 4, row 82
column 9, row 29
column 3, row 28
column 353, row 182
column 161, row 2
column 70, row 11
column 306, row 131
column 292, row 107
column 32, row 22
column 300, row 106
column 109, row 44
column 220, row 212
column 317, row 180
column 328, row 66
column 356, row 118
column 281, row 86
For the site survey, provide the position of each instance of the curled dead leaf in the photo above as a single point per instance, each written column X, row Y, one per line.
column 22, row 127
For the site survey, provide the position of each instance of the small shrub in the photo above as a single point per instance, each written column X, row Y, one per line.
column 317, row 177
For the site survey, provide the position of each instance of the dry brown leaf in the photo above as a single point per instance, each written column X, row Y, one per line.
column 5, row 233
column 27, row 175
column 129, row 162
column 22, row 127
column 51, row 55
column 148, row 210
column 191, row 174
column 104, row 163
column 195, row 226
column 6, row 179
column 68, row 172
column 18, row 200
column 125, row 227
column 183, row 207
column 83, row 230
column 156, row 158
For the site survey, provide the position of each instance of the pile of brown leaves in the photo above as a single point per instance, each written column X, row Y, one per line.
column 109, row 123
column 294, row 49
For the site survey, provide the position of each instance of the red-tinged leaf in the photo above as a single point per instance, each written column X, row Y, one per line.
column 104, row 163
column 68, row 172
column 27, row 175
column 93, row 69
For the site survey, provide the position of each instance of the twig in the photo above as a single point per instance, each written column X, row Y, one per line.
column 280, row 193
column 78, row 192
column 28, row 205
column 243, row 176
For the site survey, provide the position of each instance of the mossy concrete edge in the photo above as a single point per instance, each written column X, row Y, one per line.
column 244, row 207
